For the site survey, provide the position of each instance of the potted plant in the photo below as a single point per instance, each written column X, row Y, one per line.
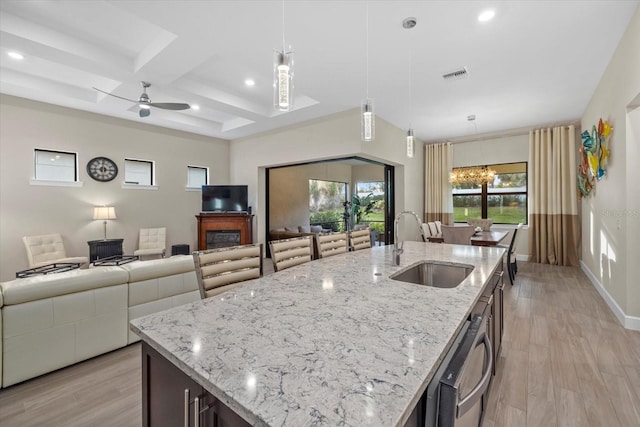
column 361, row 207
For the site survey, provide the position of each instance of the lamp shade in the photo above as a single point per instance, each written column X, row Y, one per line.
column 104, row 212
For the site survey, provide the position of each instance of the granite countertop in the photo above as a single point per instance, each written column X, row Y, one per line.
column 330, row 342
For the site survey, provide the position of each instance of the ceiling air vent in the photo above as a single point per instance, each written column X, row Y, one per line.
column 457, row 74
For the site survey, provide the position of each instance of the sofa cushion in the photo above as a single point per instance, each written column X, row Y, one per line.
column 51, row 285
column 145, row 270
column 292, row 229
column 315, row 229
column 304, row 229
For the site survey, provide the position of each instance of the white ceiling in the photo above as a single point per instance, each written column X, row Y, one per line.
column 536, row 62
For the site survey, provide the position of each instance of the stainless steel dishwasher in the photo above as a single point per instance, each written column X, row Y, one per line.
column 457, row 394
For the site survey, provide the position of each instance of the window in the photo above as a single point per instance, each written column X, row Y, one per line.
column 138, row 172
column 326, row 204
column 504, row 199
column 55, row 166
column 197, row 176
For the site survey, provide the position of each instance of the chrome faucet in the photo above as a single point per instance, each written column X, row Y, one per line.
column 398, row 249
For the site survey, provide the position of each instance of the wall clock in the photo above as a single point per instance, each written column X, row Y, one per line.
column 102, row 169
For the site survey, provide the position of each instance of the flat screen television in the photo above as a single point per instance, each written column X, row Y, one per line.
column 224, row 198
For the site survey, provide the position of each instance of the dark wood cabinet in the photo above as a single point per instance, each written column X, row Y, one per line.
column 171, row 398
column 104, row 248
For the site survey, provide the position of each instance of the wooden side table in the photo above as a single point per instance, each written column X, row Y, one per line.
column 104, row 248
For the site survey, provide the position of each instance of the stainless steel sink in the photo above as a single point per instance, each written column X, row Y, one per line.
column 436, row 274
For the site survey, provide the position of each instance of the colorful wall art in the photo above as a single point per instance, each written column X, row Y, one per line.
column 594, row 155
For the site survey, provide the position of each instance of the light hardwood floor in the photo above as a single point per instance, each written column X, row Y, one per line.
column 566, row 361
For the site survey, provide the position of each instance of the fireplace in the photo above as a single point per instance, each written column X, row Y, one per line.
column 219, row 230
column 222, row 238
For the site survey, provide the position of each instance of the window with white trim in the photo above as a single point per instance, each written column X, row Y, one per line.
column 55, row 166
column 138, row 172
column 197, row 176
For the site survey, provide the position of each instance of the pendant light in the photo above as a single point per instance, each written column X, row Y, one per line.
column 367, row 113
column 283, row 75
column 407, row 24
column 411, row 143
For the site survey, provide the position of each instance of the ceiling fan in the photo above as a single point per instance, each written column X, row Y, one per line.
column 145, row 102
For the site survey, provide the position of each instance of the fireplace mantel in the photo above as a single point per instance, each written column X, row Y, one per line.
column 241, row 222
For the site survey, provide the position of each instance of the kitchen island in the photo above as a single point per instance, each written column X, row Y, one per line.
column 331, row 342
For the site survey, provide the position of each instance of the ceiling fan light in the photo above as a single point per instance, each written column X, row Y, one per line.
column 145, row 106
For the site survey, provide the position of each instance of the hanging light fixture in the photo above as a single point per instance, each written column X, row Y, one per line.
column 407, row 24
column 368, row 116
column 478, row 175
column 411, row 144
column 283, row 75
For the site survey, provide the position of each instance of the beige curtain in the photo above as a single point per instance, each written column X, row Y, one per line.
column 438, row 202
column 554, row 223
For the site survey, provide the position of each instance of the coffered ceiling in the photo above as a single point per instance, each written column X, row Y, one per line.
column 536, row 62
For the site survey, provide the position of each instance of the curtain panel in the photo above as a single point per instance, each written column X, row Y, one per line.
column 554, row 223
column 438, row 201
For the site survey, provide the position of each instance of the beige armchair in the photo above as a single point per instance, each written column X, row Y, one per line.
column 48, row 249
column 152, row 241
column 457, row 235
column 219, row 270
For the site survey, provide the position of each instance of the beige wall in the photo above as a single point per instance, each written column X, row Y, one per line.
column 289, row 191
column 496, row 150
column 30, row 210
column 610, row 226
column 366, row 173
column 332, row 137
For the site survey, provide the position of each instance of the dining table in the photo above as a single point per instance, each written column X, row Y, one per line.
column 488, row 238
column 479, row 238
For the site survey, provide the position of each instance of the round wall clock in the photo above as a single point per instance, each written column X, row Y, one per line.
column 102, row 169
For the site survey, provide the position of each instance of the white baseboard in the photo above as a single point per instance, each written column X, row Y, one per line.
column 629, row 322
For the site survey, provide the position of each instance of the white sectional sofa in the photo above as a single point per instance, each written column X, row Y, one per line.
column 158, row 285
column 55, row 320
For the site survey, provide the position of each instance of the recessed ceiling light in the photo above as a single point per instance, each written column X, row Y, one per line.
column 487, row 15
column 195, row 107
column 250, row 82
column 15, row 55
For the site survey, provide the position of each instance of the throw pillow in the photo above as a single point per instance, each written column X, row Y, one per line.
column 316, row 229
column 303, row 229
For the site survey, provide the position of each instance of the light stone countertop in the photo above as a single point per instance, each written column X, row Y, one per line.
column 331, row 342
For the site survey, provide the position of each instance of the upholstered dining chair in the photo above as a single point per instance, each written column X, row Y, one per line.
column 331, row 244
column 360, row 239
column 457, row 235
column 219, row 270
column 429, row 229
column 286, row 253
column 152, row 241
column 512, row 265
column 48, row 249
